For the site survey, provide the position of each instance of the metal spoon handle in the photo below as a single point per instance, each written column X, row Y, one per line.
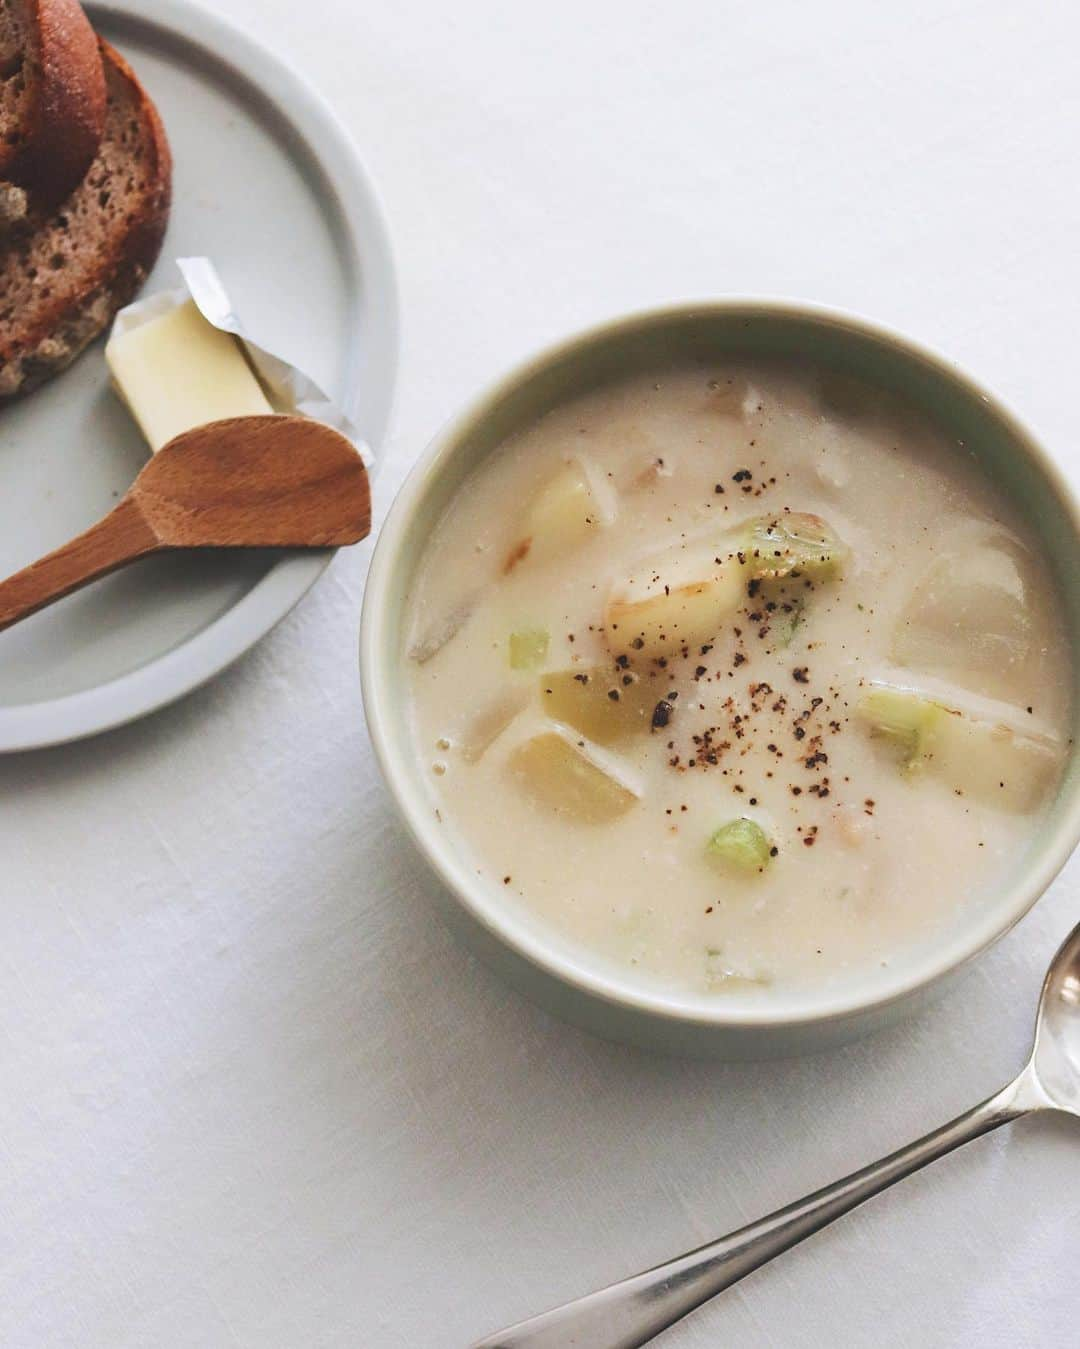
column 631, row 1312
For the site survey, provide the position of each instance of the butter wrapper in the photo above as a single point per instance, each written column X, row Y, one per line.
column 287, row 388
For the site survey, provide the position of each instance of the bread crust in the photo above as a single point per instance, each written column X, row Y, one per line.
column 148, row 230
column 68, row 111
column 51, row 337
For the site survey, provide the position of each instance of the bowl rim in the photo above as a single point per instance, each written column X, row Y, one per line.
column 478, row 899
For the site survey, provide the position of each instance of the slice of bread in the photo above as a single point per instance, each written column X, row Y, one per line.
column 52, row 102
column 64, row 274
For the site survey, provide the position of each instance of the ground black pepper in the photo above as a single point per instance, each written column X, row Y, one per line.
column 661, row 714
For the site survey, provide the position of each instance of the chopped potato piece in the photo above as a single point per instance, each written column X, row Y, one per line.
column 984, row 759
column 672, row 603
column 529, row 648
column 567, row 508
column 597, row 702
column 969, row 620
column 572, row 778
column 741, row 844
column 683, row 598
column 430, row 642
column 489, row 723
column 793, row 542
column 994, row 763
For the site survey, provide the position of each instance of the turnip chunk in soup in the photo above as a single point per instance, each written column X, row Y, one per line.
column 737, row 678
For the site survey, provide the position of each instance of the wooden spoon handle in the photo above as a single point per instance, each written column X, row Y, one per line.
column 122, row 537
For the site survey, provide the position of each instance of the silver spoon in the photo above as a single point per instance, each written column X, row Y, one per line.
column 631, row 1312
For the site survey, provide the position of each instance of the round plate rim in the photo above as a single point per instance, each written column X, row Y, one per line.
column 174, row 673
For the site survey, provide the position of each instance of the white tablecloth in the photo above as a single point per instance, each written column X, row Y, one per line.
column 253, row 1094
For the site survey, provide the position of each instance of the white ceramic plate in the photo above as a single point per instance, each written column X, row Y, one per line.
column 269, row 186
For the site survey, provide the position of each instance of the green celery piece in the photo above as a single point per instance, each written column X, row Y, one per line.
column 719, row 974
column 528, row 648
column 907, row 720
column 784, row 626
column 742, row 843
column 780, row 544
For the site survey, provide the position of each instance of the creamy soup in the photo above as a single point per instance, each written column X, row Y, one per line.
column 737, row 676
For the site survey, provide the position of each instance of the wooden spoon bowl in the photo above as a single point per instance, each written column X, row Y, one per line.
column 246, row 482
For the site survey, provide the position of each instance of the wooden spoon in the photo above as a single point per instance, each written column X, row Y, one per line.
column 246, row 482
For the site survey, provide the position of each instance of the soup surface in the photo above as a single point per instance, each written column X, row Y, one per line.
column 737, row 676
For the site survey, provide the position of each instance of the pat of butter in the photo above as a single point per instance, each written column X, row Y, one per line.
column 177, row 371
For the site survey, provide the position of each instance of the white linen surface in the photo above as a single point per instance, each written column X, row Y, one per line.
column 253, row 1093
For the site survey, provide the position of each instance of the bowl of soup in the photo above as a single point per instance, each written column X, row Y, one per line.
column 722, row 661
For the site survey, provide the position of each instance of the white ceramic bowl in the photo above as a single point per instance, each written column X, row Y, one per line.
column 567, row 980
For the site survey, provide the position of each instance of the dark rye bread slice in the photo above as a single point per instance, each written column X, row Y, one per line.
column 64, row 275
column 52, row 102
